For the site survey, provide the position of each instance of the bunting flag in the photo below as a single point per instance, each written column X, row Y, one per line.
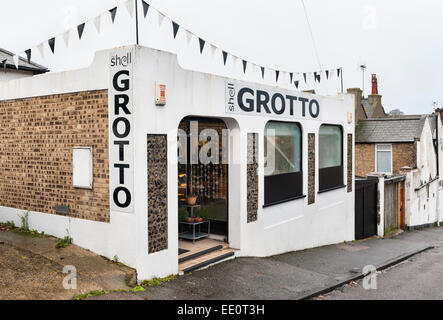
column 113, row 12
column 188, row 36
column 28, row 55
column 41, row 50
column 51, row 43
column 225, row 57
column 15, row 58
column 80, row 29
column 97, row 21
column 175, row 27
column 145, row 8
column 4, row 63
column 130, row 7
column 161, row 17
column 202, row 44
column 294, row 77
column 66, row 38
column 213, row 49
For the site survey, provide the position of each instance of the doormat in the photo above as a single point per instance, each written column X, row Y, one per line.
column 181, row 251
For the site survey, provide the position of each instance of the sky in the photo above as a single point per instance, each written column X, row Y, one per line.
column 399, row 40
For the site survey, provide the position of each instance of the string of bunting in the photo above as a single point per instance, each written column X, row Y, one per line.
column 294, row 77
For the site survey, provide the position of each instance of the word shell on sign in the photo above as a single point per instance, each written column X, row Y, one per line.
column 121, row 149
column 261, row 101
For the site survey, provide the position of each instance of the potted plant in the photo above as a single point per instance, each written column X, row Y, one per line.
column 189, row 219
column 204, row 214
column 182, row 214
column 191, row 199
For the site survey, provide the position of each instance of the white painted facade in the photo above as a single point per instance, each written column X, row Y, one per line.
column 285, row 227
column 422, row 191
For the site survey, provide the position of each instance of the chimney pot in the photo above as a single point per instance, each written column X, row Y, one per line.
column 374, row 84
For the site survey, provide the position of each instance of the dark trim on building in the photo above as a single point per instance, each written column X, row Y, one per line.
column 283, row 201
column 332, row 188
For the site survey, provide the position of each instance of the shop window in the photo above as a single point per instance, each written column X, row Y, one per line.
column 383, row 158
column 82, row 167
column 330, row 157
column 282, row 168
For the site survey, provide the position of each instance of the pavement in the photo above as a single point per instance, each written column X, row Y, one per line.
column 296, row 275
column 32, row 268
column 417, row 278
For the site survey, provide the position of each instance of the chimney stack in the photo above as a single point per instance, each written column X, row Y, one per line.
column 374, row 84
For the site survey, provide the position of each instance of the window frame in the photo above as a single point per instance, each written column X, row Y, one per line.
column 336, row 174
column 376, row 154
column 276, row 189
column 91, row 166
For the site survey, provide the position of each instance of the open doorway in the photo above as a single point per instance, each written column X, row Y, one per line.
column 203, row 178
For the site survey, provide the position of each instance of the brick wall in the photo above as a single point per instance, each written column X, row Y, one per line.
column 403, row 154
column 36, row 139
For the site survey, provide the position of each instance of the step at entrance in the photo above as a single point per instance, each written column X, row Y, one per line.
column 203, row 258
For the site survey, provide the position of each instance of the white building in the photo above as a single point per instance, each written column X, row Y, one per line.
column 119, row 191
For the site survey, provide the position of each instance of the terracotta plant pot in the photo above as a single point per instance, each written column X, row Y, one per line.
column 191, row 200
column 189, row 219
column 198, row 219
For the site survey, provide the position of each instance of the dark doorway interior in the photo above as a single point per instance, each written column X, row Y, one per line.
column 208, row 181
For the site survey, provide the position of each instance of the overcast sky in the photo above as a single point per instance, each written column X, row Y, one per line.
column 399, row 40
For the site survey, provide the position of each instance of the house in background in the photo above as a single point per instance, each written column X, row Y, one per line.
column 8, row 70
column 404, row 152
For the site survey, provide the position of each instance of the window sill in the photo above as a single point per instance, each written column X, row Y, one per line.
column 333, row 188
column 283, row 201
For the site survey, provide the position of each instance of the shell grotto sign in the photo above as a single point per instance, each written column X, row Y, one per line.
column 121, row 146
column 249, row 99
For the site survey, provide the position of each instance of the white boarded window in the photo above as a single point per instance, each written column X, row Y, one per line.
column 82, row 167
column 383, row 158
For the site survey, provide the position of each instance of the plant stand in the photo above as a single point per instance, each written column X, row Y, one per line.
column 193, row 234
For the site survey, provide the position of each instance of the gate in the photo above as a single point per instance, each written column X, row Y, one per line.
column 365, row 207
column 394, row 198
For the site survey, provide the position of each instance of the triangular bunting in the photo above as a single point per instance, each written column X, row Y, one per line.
column 28, row 55
column 315, row 76
column 296, row 84
column 80, row 29
column 4, row 63
column 277, row 73
column 175, row 28
column 202, row 44
column 113, row 12
column 145, row 8
column 338, row 72
column 66, row 38
column 188, row 36
column 161, row 17
column 97, row 21
column 225, row 56
column 51, row 43
column 15, row 58
column 327, row 74
column 244, row 65
column 213, row 49
column 318, row 78
column 262, row 72
column 291, row 76
column 130, row 7
column 304, row 76
column 41, row 50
